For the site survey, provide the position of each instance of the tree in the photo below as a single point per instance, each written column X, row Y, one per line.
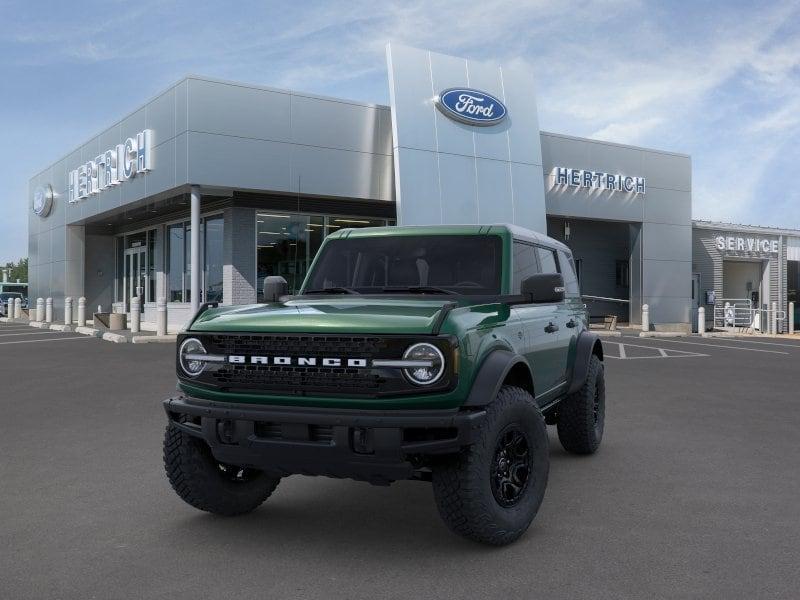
column 18, row 270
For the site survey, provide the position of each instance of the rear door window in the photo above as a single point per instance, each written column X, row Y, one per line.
column 547, row 260
column 525, row 264
column 571, row 286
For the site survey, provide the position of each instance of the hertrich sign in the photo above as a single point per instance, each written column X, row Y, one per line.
column 472, row 107
column 112, row 167
column 598, row 180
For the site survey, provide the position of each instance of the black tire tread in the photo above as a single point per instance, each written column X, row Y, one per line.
column 191, row 471
column 465, row 508
column 575, row 422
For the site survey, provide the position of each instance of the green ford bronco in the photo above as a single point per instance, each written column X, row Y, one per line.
column 431, row 353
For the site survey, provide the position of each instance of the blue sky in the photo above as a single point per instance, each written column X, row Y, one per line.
column 719, row 81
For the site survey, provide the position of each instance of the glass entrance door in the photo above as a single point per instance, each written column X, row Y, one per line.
column 135, row 280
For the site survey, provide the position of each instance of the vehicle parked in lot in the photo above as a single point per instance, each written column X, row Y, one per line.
column 5, row 297
column 429, row 353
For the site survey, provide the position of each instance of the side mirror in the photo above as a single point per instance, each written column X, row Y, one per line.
column 275, row 286
column 544, row 288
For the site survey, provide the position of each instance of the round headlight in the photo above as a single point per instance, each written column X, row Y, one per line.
column 191, row 366
column 427, row 373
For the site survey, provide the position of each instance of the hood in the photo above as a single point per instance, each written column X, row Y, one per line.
column 346, row 314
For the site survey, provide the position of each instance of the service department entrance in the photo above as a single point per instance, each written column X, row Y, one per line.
column 135, row 277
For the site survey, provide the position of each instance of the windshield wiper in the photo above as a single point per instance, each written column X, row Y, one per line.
column 332, row 290
column 419, row 289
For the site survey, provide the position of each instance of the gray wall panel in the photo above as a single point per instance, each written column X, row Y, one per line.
column 490, row 142
column 181, row 99
column 667, row 279
column 420, row 203
column 459, row 188
column 667, row 242
column 216, row 107
column 160, row 117
column 668, row 171
column 411, row 94
column 160, row 179
column 222, row 160
column 336, row 173
column 528, row 202
column 100, row 257
column 333, row 124
column 495, row 201
column 451, row 137
column 668, row 206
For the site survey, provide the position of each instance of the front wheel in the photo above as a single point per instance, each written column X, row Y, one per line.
column 205, row 483
column 492, row 490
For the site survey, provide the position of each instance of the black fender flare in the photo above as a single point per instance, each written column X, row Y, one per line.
column 491, row 374
column 587, row 345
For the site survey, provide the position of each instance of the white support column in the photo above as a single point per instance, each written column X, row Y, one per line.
column 701, row 320
column 774, row 320
column 195, row 250
column 645, row 317
column 791, row 317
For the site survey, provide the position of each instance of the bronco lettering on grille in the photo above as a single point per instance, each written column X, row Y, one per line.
column 299, row 361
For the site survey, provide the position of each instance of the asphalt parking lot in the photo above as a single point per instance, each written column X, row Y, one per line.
column 694, row 494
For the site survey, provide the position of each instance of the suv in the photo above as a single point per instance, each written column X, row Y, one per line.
column 431, row 353
column 5, row 297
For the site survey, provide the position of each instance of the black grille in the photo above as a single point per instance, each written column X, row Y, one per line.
column 311, row 380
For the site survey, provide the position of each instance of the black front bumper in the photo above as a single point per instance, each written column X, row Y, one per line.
column 375, row 446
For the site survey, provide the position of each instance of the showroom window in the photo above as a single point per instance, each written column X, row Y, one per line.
column 287, row 244
column 179, row 259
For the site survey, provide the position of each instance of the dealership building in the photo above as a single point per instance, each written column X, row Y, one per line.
column 211, row 186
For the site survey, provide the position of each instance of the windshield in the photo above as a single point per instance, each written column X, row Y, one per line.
column 423, row 264
column 7, row 295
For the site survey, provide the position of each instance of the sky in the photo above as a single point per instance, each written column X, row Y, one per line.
column 719, row 81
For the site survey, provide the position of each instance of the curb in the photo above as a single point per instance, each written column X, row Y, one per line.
column 88, row 331
column 117, row 338
column 154, row 339
column 39, row 324
column 60, row 327
column 603, row 333
column 663, row 334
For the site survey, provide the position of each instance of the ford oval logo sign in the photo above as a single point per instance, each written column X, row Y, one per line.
column 472, row 107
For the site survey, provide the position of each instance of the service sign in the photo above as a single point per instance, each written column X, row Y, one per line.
column 732, row 243
column 112, row 167
column 472, row 107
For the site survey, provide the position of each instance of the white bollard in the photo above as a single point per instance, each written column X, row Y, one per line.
column 18, row 308
column 161, row 316
column 10, row 308
column 774, row 320
column 39, row 310
column 135, row 314
column 67, row 311
column 791, row 317
column 81, row 312
column 701, row 320
column 645, row 317
column 48, row 310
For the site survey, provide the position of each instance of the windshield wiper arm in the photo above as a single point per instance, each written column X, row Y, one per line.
column 332, row 290
column 419, row 289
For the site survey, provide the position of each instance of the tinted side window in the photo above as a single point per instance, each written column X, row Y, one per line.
column 524, row 265
column 547, row 260
column 571, row 287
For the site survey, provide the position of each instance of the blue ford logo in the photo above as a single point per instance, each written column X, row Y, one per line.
column 473, row 107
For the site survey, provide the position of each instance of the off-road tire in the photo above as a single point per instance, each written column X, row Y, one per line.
column 201, row 481
column 581, row 416
column 463, row 485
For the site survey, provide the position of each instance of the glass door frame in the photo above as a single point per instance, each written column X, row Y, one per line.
column 137, row 255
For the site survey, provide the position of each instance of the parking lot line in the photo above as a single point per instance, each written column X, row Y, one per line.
column 662, row 352
column 746, row 341
column 4, row 334
column 672, row 341
column 55, row 339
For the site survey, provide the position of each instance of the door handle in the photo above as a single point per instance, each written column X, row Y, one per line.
column 571, row 323
column 551, row 328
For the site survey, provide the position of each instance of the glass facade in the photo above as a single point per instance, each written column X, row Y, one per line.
column 178, row 265
column 287, row 244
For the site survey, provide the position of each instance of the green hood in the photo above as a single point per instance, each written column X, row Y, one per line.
column 346, row 314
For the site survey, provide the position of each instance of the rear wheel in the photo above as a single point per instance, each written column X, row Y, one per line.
column 205, row 483
column 492, row 490
column 581, row 416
